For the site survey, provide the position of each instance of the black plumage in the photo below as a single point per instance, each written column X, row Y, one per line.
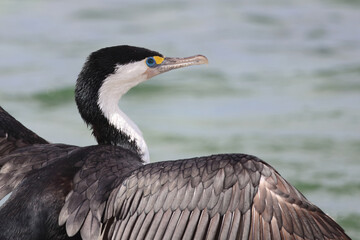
column 14, row 135
column 107, row 192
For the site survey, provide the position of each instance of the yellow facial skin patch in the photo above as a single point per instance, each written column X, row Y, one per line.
column 158, row 59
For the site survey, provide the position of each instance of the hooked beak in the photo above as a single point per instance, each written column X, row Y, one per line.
column 174, row 63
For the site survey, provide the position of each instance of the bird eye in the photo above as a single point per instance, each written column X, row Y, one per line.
column 150, row 62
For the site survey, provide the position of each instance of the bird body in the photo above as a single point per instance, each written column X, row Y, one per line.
column 107, row 191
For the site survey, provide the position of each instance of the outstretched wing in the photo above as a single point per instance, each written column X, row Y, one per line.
column 280, row 211
column 200, row 198
column 20, row 162
column 14, row 135
column 21, row 151
column 216, row 197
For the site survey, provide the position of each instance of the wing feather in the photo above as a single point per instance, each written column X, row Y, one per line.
column 172, row 224
column 138, row 225
column 145, row 226
column 233, row 197
column 121, row 226
column 192, row 224
column 181, row 224
column 163, row 223
column 202, row 225
column 130, row 225
column 213, row 229
column 286, row 214
column 21, row 162
column 226, row 225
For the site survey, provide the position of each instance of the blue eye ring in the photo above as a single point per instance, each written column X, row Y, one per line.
column 150, row 61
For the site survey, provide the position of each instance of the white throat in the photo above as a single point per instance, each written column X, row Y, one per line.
column 115, row 85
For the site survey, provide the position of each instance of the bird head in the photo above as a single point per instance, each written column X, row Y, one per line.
column 106, row 76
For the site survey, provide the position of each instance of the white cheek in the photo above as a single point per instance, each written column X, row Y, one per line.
column 124, row 78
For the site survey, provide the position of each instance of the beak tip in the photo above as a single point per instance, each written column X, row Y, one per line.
column 201, row 59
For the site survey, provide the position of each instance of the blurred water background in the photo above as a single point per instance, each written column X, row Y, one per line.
column 283, row 82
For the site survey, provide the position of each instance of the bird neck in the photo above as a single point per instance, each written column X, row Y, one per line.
column 120, row 125
column 98, row 105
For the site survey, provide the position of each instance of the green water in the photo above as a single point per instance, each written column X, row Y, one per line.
column 283, row 82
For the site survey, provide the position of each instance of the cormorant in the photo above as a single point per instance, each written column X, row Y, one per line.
column 106, row 191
